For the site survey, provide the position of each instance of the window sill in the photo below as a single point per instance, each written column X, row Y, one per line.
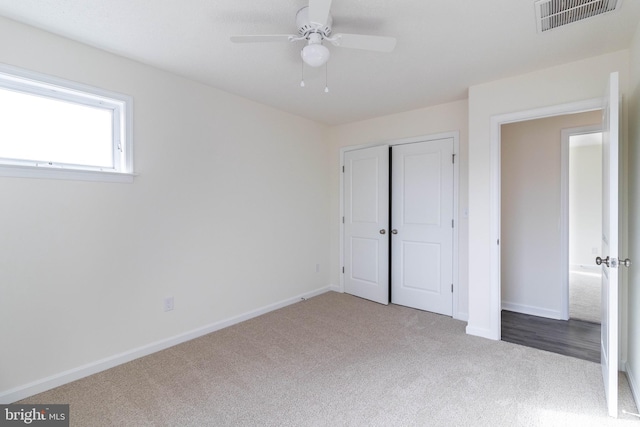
column 65, row 174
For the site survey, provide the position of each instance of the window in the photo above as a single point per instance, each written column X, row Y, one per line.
column 53, row 128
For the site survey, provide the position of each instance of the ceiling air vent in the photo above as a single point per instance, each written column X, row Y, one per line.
column 552, row 14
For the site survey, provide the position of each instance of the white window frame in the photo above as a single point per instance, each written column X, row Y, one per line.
column 30, row 82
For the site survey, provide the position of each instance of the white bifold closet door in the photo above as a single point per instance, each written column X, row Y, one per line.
column 366, row 219
column 420, row 238
column 422, row 226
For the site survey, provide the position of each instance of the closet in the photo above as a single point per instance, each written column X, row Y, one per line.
column 399, row 224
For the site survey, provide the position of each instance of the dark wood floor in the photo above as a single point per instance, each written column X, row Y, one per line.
column 571, row 337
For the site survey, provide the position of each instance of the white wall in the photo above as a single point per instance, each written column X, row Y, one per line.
column 571, row 82
column 425, row 121
column 531, row 244
column 585, row 204
column 229, row 215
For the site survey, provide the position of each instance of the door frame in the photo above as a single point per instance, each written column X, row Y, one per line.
column 565, row 134
column 496, row 177
column 455, row 135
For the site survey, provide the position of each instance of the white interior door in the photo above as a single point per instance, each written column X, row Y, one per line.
column 609, row 334
column 366, row 255
column 422, row 225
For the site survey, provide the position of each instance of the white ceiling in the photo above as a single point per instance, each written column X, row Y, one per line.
column 444, row 46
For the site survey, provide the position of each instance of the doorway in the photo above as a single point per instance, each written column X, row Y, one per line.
column 611, row 238
column 584, row 163
column 535, row 239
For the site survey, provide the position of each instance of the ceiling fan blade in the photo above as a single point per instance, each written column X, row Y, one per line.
column 319, row 11
column 262, row 38
column 359, row 41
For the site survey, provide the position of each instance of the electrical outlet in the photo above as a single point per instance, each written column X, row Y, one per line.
column 168, row 304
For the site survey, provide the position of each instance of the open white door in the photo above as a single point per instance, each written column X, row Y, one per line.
column 366, row 210
column 609, row 257
column 422, row 227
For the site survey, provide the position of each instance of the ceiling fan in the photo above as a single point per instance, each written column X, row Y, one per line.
column 314, row 26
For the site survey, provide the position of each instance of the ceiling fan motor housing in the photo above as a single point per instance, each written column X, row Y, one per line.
column 305, row 27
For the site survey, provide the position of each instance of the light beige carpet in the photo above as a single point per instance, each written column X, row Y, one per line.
column 584, row 296
column 337, row 360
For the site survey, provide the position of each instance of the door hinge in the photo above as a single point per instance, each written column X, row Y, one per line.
column 453, row 158
column 498, row 242
column 342, row 270
column 343, row 220
column 343, row 169
column 452, row 288
column 451, row 223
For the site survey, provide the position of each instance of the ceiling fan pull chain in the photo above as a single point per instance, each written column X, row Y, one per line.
column 302, row 72
column 326, row 78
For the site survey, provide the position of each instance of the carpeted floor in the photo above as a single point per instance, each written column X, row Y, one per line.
column 584, row 296
column 337, row 360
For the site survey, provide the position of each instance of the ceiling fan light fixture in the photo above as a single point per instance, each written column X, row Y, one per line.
column 315, row 55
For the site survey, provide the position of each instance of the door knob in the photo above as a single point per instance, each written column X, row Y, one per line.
column 600, row 261
column 394, row 231
column 626, row 262
column 383, row 231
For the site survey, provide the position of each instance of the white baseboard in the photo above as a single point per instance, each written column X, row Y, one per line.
column 633, row 384
column 44, row 384
column 532, row 310
column 482, row 332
